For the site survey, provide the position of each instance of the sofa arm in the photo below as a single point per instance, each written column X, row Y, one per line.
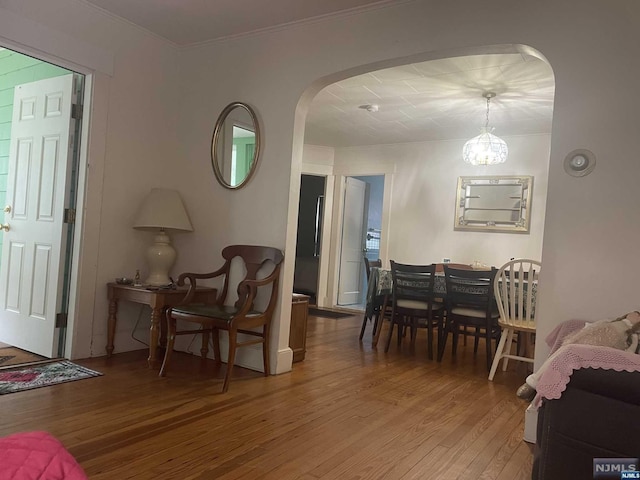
column 622, row 386
column 598, row 415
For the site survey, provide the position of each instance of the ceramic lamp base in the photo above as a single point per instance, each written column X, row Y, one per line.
column 160, row 257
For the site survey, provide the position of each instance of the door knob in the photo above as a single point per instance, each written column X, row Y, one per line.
column 7, row 209
column 5, row 226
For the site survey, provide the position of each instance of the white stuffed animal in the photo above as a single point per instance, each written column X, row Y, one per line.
column 621, row 333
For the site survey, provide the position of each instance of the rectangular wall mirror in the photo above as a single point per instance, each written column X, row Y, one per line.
column 494, row 203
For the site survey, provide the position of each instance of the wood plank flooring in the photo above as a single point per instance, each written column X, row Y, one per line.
column 348, row 411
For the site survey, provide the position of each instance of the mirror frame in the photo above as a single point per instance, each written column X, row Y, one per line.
column 524, row 215
column 215, row 161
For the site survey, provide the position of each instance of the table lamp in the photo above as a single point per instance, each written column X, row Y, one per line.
column 162, row 210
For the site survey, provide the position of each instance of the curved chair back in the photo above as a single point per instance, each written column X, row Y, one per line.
column 515, row 288
column 254, row 257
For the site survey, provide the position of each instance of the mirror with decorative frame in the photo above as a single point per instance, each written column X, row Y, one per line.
column 235, row 145
column 494, row 203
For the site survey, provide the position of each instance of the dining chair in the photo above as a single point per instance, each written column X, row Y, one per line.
column 470, row 303
column 412, row 300
column 369, row 264
column 461, row 266
column 249, row 315
column 374, row 304
column 515, row 289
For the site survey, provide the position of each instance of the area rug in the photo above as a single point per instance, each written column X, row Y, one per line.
column 42, row 375
column 16, row 356
column 317, row 312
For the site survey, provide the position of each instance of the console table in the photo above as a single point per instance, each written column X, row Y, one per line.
column 159, row 299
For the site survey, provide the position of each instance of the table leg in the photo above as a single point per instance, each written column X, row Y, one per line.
column 154, row 334
column 111, row 325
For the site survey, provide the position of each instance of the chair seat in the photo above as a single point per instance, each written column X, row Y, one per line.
column 212, row 311
column 531, row 328
column 417, row 304
column 473, row 312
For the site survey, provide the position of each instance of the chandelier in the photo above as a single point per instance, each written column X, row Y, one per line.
column 486, row 148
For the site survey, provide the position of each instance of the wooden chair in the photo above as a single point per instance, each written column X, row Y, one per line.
column 373, row 312
column 470, row 302
column 242, row 317
column 412, row 300
column 460, row 266
column 515, row 288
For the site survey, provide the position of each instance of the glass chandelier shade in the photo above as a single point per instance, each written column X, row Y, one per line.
column 486, row 148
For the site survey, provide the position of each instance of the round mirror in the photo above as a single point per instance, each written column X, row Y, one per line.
column 235, row 145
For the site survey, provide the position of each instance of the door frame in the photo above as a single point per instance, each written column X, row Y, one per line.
column 84, row 259
column 322, row 298
column 329, row 270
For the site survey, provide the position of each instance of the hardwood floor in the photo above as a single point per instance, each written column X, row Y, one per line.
column 346, row 412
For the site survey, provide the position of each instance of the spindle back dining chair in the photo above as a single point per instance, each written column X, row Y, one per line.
column 515, row 289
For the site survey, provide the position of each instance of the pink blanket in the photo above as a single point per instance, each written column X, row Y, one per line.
column 37, row 456
column 557, row 373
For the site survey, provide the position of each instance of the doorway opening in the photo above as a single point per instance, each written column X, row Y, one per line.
column 40, row 130
column 409, row 123
column 309, row 241
column 361, row 233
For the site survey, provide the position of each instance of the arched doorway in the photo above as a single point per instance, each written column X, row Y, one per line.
column 409, row 122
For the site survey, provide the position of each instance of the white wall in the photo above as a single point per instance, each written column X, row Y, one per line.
column 590, row 227
column 315, row 157
column 424, row 193
column 133, row 145
column 588, row 45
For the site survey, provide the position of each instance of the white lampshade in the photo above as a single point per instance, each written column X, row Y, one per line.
column 162, row 210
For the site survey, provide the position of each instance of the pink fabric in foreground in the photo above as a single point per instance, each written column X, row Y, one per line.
column 558, row 334
column 554, row 379
column 37, row 456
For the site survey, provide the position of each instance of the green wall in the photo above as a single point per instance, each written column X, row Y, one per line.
column 16, row 69
column 245, row 147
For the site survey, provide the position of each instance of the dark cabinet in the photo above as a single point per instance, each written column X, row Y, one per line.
column 298, row 328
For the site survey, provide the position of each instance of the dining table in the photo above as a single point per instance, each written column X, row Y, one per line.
column 380, row 288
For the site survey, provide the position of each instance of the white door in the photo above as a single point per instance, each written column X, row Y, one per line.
column 350, row 282
column 40, row 156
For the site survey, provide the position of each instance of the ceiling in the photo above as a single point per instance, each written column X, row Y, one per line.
column 188, row 22
column 435, row 100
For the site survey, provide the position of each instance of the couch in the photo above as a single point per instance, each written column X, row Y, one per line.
column 598, row 415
